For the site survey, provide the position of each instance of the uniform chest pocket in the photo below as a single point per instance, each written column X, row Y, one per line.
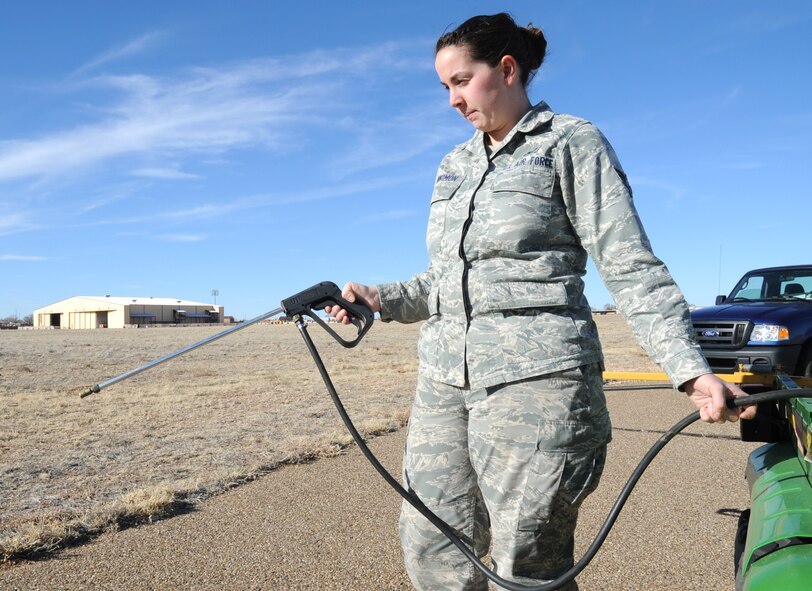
column 526, row 184
column 515, row 214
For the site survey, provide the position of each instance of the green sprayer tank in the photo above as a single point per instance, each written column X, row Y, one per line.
column 774, row 541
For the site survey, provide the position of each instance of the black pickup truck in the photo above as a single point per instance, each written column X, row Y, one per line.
column 765, row 321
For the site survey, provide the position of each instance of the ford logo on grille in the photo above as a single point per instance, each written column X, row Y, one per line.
column 710, row 333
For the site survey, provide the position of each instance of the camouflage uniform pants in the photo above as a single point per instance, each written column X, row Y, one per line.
column 508, row 468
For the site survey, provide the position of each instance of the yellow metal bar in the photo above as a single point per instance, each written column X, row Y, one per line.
column 739, row 377
column 639, row 376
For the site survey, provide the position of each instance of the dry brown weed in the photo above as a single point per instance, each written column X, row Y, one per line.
column 188, row 429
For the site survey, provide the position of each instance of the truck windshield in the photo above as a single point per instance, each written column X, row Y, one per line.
column 781, row 284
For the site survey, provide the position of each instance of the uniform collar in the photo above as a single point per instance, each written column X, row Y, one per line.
column 537, row 116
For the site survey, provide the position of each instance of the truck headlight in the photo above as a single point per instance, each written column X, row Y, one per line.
column 763, row 333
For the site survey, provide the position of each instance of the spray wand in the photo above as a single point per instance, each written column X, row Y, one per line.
column 304, row 303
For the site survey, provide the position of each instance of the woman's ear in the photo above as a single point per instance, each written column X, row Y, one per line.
column 510, row 69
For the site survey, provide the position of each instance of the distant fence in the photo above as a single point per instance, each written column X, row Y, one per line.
column 175, row 325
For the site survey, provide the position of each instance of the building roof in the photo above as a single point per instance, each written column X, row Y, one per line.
column 144, row 301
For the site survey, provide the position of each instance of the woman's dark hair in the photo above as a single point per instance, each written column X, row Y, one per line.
column 489, row 38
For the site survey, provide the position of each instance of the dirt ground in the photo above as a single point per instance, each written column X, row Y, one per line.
column 189, row 429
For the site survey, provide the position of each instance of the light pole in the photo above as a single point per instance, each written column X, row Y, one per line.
column 215, row 293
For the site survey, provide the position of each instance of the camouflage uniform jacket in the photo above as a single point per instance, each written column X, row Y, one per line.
column 508, row 237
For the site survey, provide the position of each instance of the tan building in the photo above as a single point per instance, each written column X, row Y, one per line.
column 120, row 312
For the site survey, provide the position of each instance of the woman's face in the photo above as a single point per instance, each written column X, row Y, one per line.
column 477, row 91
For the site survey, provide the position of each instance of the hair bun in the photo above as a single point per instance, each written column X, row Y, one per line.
column 536, row 44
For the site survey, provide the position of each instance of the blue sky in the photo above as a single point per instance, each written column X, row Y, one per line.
column 170, row 149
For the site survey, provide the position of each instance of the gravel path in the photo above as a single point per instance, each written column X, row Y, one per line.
column 331, row 525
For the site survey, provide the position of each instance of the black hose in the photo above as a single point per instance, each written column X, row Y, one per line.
column 590, row 553
column 628, row 387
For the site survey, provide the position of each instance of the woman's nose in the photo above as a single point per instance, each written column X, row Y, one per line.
column 454, row 99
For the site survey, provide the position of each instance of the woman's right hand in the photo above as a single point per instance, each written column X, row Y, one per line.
column 354, row 292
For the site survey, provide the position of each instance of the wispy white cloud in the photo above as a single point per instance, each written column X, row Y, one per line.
column 180, row 237
column 341, row 190
column 749, row 165
column 13, row 222
column 417, row 130
column 164, row 173
column 134, row 47
column 259, row 102
column 189, row 214
column 139, row 133
column 21, row 257
column 109, row 194
column 739, row 30
column 170, row 237
column 208, row 211
column 769, row 18
column 170, row 123
column 387, row 216
column 675, row 193
column 673, row 120
column 732, row 95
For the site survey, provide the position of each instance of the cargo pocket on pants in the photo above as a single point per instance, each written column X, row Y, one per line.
column 558, row 481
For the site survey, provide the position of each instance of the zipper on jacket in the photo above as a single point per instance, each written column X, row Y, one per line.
column 466, row 300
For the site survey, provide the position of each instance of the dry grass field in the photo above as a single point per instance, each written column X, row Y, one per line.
column 221, row 415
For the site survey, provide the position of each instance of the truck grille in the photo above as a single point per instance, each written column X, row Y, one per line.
column 723, row 333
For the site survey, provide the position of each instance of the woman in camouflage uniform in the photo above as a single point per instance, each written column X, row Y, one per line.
column 509, row 426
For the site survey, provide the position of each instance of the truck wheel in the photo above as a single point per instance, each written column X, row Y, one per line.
column 805, row 362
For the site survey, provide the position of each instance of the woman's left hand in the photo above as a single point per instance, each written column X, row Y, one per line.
column 709, row 393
